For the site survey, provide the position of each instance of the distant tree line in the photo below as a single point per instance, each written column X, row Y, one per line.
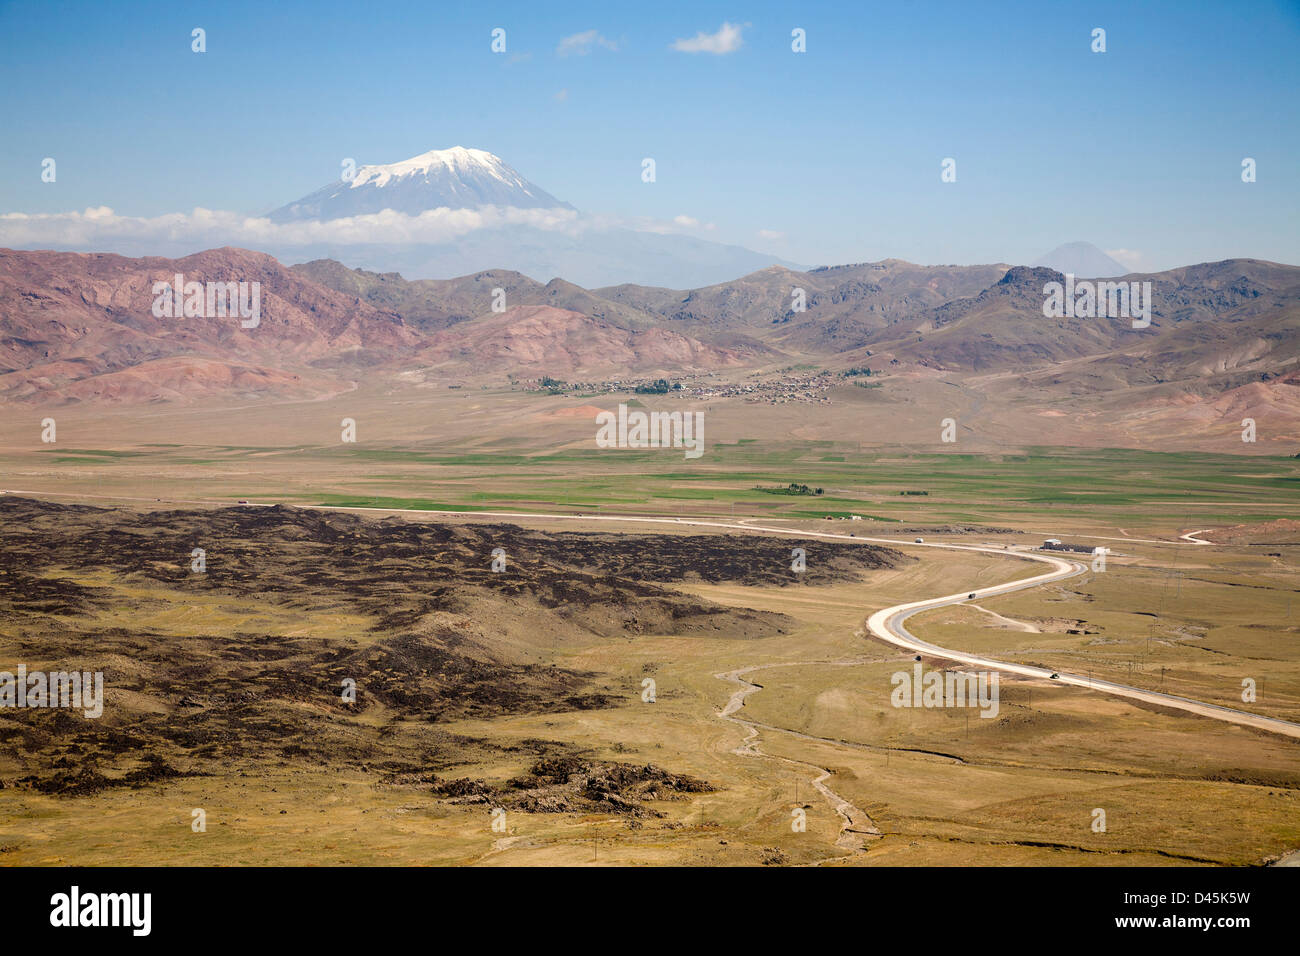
column 659, row 386
column 794, row 488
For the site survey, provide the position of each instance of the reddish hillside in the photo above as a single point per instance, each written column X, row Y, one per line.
column 82, row 326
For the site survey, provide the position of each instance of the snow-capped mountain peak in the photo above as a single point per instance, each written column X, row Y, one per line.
column 458, row 178
column 458, row 161
column 455, row 178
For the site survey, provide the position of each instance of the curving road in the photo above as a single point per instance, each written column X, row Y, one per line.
column 888, row 624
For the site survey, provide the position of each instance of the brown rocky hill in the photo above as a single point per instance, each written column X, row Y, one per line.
column 81, row 327
column 433, row 304
column 425, row 304
column 844, row 304
column 1223, row 346
column 545, row 340
column 554, row 329
column 863, row 296
column 1234, row 321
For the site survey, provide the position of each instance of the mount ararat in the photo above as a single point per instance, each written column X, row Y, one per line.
column 523, row 228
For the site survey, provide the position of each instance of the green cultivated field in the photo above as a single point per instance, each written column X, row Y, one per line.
column 1065, row 487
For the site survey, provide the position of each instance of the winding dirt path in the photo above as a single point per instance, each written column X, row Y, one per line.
column 856, row 826
column 1011, row 622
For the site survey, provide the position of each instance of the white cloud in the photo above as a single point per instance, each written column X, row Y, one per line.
column 770, row 234
column 580, row 44
column 726, row 40
column 98, row 227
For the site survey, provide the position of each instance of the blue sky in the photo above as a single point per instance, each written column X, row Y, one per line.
column 828, row 156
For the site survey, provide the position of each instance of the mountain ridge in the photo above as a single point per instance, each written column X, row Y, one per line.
column 1224, row 337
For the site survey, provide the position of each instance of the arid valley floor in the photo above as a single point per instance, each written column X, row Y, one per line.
column 524, row 690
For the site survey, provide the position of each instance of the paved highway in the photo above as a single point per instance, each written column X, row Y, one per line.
column 889, row 624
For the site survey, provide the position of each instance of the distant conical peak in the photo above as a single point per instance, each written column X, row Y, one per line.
column 456, row 160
